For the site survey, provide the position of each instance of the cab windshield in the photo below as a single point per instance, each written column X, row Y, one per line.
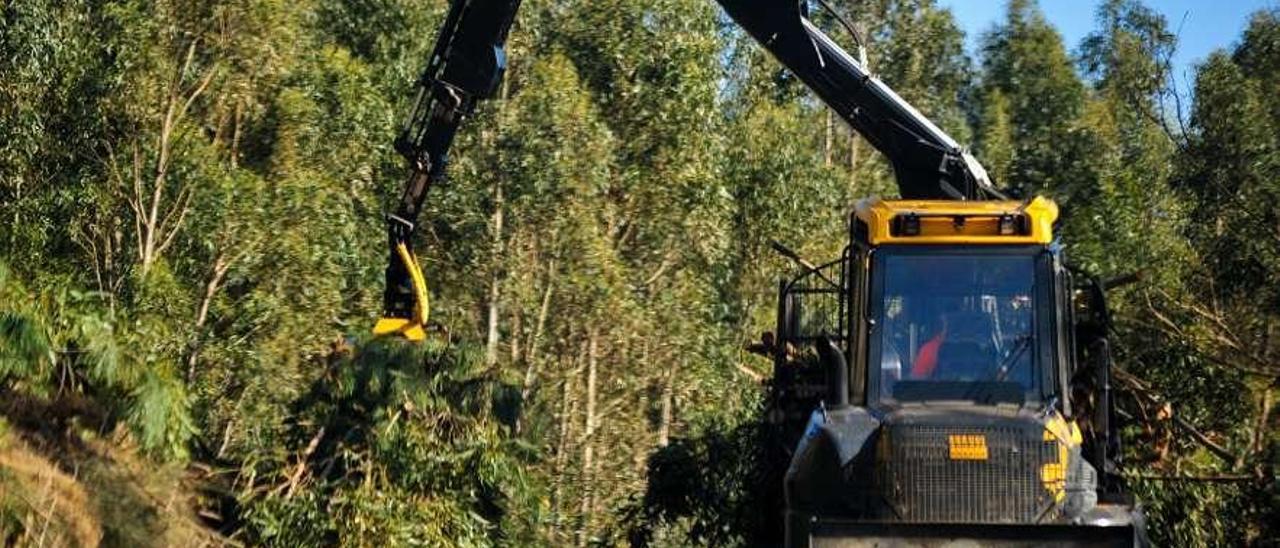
column 956, row 327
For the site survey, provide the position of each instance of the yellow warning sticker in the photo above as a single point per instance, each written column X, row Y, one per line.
column 968, row 446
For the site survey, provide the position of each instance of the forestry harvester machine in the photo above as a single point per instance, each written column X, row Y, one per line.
column 965, row 394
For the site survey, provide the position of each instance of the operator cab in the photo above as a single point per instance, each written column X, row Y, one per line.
column 958, row 325
column 942, row 301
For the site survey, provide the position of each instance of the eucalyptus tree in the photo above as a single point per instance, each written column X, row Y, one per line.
column 1231, row 172
column 1024, row 59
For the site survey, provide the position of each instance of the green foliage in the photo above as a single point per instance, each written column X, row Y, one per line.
column 1157, row 207
column 25, row 349
column 722, row 487
column 1025, row 60
column 67, row 333
column 1194, row 514
column 159, row 412
column 193, row 194
column 918, row 49
column 1127, row 218
column 400, row 445
column 1233, row 177
column 995, row 142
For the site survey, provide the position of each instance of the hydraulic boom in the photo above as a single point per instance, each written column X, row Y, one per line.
column 466, row 65
column 468, row 62
column 927, row 163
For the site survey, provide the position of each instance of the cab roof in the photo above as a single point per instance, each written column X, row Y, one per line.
column 956, row 222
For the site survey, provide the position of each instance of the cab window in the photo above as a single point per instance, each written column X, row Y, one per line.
column 956, row 326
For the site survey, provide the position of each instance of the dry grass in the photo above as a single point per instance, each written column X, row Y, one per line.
column 92, row 492
column 43, row 505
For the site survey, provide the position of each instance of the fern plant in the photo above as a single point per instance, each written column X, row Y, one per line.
column 51, row 336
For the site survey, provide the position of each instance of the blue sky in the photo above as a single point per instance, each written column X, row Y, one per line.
column 1202, row 25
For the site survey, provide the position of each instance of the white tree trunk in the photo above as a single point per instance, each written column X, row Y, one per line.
column 495, row 279
column 588, row 440
column 668, row 405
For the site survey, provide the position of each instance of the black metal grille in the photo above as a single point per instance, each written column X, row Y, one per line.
column 922, row 483
column 816, row 300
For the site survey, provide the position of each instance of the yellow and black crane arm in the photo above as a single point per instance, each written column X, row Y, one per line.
column 468, row 62
column 928, row 164
column 466, row 65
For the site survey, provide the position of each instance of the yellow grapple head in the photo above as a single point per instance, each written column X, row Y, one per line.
column 413, row 327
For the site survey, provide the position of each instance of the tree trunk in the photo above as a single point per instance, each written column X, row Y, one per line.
column 1264, row 415
column 668, row 404
column 495, row 280
column 220, row 266
column 235, row 137
column 568, row 409
column 517, row 327
column 640, row 449
column 588, row 440
column 156, row 221
column 535, row 338
column 853, row 153
column 828, row 142
column 531, row 359
column 568, row 406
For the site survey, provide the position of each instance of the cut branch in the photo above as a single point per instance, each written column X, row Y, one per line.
column 1218, row 478
column 296, row 477
column 1146, row 393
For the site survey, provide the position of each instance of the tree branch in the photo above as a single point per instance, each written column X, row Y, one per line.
column 667, row 261
column 296, row 477
column 1213, row 478
column 1147, row 393
column 181, row 208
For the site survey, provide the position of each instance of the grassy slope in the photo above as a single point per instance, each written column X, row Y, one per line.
column 83, row 490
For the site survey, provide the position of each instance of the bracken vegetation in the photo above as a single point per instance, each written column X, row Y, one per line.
column 191, row 253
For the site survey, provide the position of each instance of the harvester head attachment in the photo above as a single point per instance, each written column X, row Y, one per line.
column 406, row 307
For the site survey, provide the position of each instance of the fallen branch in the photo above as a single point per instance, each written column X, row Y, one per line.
column 1218, row 478
column 1147, row 394
column 296, row 477
column 750, row 373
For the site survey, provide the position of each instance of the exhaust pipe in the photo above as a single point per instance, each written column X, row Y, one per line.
column 837, row 373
